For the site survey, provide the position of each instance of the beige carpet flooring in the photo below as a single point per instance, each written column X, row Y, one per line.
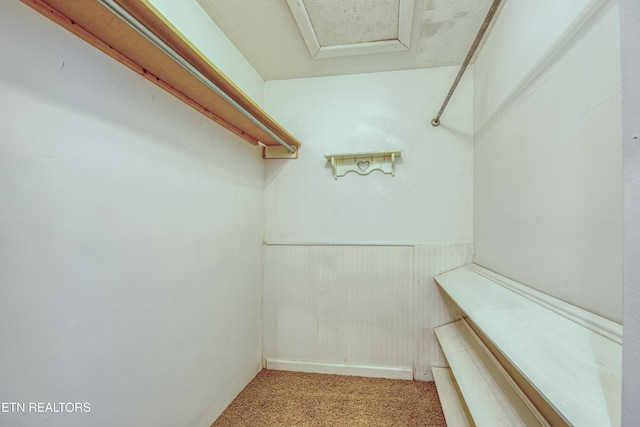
column 279, row 398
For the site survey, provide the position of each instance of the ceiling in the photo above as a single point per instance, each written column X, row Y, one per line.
column 285, row 39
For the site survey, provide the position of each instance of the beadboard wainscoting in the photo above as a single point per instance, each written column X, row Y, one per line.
column 357, row 309
column 431, row 306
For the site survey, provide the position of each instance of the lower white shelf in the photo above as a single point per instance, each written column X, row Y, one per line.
column 455, row 410
column 488, row 392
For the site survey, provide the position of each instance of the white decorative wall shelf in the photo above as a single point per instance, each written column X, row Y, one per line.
column 363, row 163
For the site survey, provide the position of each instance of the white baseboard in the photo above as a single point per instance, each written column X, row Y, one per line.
column 340, row 369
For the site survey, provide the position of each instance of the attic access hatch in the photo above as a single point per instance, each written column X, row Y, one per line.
column 332, row 28
column 169, row 60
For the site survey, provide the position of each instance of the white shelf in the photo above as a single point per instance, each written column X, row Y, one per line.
column 492, row 399
column 455, row 410
column 572, row 358
column 363, row 163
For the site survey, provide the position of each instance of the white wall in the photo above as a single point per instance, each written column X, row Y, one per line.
column 548, row 199
column 130, row 241
column 366, row 310
column 340, row 304
column 430, row 198
column 630, row 35
column 192, row 21
column 360, row 301
column 527, row 37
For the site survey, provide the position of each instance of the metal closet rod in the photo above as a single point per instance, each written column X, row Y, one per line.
column 134, row 23
column 467, row 60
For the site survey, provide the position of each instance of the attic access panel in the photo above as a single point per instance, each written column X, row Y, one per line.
column 332, row 28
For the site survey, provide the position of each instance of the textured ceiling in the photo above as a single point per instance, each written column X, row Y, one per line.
column 353, row 21
column 266, row 33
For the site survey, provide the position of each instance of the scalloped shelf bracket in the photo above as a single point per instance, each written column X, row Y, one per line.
column 363, row 163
